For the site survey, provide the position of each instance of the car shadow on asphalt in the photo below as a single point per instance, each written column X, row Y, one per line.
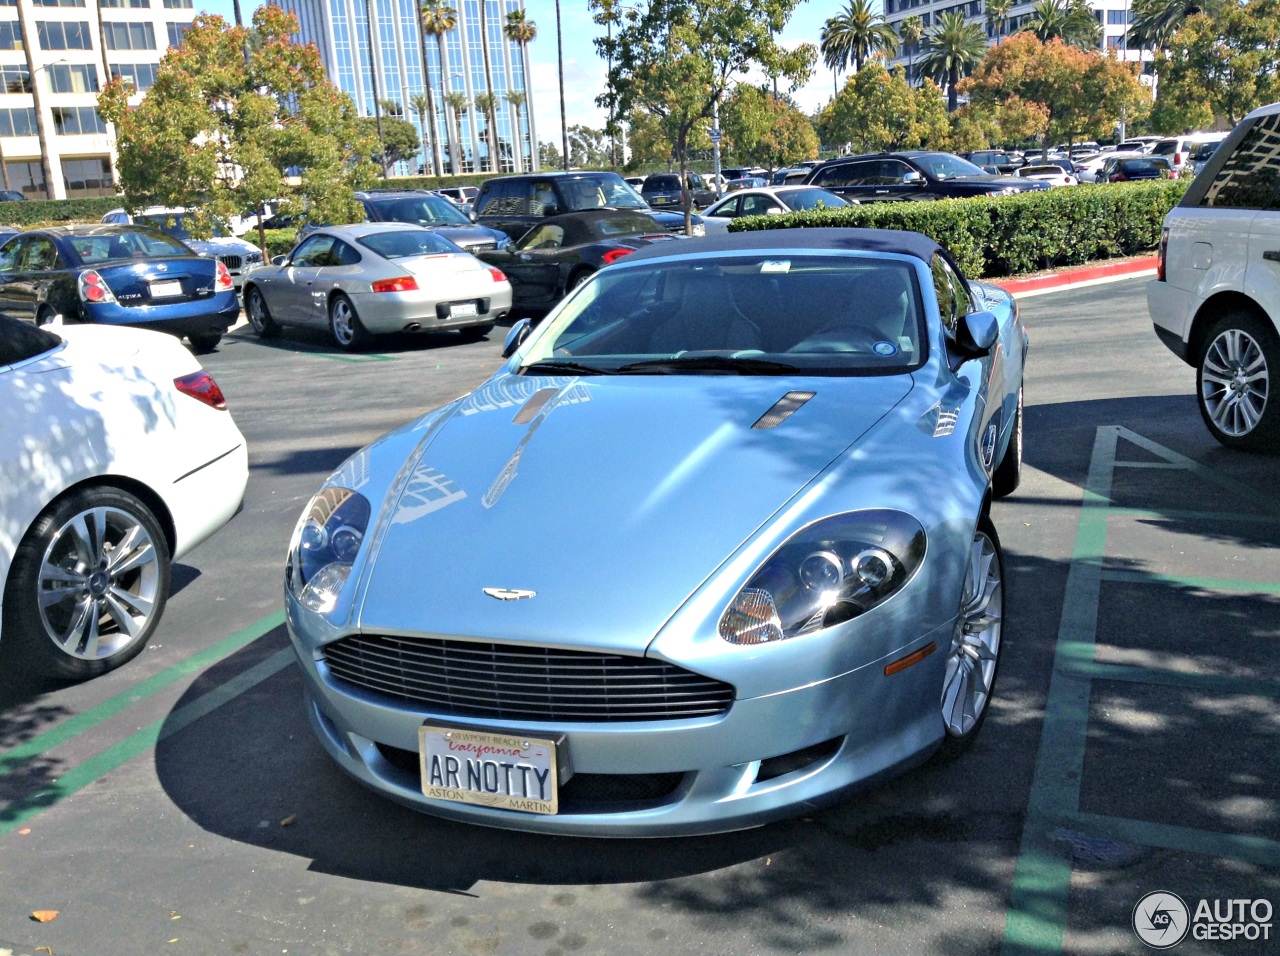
column 318, row 342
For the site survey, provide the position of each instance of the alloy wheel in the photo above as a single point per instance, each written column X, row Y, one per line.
column 1234, row 382
column 975, row 645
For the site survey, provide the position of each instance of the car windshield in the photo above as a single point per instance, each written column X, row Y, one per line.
column 129, row 244
column 748, row 313
column 946, row 166
column 410, row 242
column 20, row 341
column 599, row 191
column 801, row 199
column 179, row 225
column 422, row 210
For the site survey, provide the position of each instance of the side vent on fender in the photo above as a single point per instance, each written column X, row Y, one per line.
column 783, row 409
column 529, row 411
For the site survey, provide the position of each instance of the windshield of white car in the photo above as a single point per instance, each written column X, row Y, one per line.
column 946, row 166
column 423, row 210
column 411, row 242
column 747, row 313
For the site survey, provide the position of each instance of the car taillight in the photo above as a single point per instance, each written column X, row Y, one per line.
column 398, row 284
column 1118, row 178
column 613, row 255
column 498, row 274
column 1164, row 251
column 223, row 282
column 201, row 386
column 1177, row 159
column 93, row 288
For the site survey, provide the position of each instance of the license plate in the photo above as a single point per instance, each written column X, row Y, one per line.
column 169, row 287
column 505, row 771
column 461, row 310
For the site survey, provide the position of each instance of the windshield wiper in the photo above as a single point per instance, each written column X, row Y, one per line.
column 573, row 368
column 709, row 363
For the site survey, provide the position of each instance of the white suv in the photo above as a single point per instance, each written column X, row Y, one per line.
column 1216, row 298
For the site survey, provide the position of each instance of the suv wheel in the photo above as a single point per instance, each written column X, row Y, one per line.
column 1233, row 382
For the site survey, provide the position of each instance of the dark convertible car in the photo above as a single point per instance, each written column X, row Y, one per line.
column 562, row 252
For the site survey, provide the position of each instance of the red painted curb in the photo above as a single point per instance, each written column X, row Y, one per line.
column 1068, row 277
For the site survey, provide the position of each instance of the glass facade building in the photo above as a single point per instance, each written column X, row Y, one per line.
column 353, row 34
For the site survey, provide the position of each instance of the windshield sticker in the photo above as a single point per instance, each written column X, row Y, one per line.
column 904, row 343
column 885, row 348
column 776, row 265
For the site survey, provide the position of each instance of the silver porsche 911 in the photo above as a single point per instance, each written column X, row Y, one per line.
column 712, row 547
column 372, row 278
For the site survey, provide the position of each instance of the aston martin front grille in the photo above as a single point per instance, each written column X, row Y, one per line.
column 513, row 682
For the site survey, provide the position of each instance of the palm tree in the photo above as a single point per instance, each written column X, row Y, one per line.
column 438, row 18
column 424, row 105
column 517, row 100
column 490, row 100
column 854, row 34
column 952, row 48
column 460, row 104
column 485, row 106
column 1070, row 21
column 1156, row 21
column 428, row 116
column 998, row 16
column 911, row 29
column 521, row 31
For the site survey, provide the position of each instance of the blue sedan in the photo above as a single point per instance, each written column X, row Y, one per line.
column 713, row 547
column 117, row 275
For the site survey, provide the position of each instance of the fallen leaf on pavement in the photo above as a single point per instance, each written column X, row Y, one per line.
column 45, row 916
column 290, row 820
column 24, row 831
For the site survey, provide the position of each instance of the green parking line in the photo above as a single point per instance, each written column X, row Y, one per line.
column 1214, row 683
column 1213, row 843
column 1183, row 581
column 80, row 776
column 1037, row 916
column 24, row 752
column 353, row 358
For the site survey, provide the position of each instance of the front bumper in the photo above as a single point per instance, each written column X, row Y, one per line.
column 832, row 736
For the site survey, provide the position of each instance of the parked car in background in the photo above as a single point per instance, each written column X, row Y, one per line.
column 1138, row 144
column 1123, row 170
column 463, row 196
column 635, row 181
column 240, row 257
column 789, row 175
column 745, row 182
column 1050, row 173
column 374, row 278
column 766, row 201
column 562, row 252
column 663, row 191
column 1087, row 170
column 426, row 209
column 1198, row 154
column 514, row 204
column 1215, row 301
column 117, row 275
column 789, row 439
column 1177, row 149
column 995, row 161
column 117, row 457
column 12, row 195
column 903, row 176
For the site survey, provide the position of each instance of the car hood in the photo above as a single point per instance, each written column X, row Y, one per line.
column 610, row 498
column 221, row 246
column 469, row 236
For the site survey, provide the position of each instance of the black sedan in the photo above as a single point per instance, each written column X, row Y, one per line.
column 886, row 177
column 562, row 252
column 117, row 275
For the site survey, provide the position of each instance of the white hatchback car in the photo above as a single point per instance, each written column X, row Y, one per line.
column 767, row 201
column 1216, row 298
column 117, row 456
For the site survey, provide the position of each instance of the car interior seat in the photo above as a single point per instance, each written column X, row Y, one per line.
column 704, row 319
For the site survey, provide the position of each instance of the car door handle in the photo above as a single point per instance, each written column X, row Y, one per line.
column 1272, row 255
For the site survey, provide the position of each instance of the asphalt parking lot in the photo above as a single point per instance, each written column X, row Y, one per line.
column 180, row 804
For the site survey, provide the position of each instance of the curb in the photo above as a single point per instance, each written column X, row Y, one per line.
column 1078, row 277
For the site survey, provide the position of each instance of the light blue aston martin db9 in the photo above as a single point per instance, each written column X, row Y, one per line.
column 711, row 548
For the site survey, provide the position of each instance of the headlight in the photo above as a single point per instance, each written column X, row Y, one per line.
column 325, row 544
column 828, row 573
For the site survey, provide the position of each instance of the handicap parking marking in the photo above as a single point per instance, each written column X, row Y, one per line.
column 1036, row 918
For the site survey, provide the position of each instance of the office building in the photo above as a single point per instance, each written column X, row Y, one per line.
column 340, row 30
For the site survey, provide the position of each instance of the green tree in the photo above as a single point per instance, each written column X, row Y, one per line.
column 437, row 19
column 1071, row 21
column 459, row 104
column 549, row 156
column 517, row 101
column 423, row 104
column 952, row 48
column 911, row 30
column 764, row 131
column 400, row 143
column 521, row 31
column 1156, row 21
column 997, row 16
column 1222, row 65
column 676, row 57
column 490, row 107
column 877, row 110
column 855, row 33
column 221, row 130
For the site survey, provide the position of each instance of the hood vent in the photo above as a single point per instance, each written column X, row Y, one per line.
column 785, row 407
column 529, row 411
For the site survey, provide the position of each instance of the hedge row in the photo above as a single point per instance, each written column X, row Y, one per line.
column 1008, row 235
column 39, row 211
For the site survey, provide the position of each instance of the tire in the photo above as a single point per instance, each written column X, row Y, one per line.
column 255, row 308
column 577, row 279
column 1008, row 474
column 973, row 660
column 344, row 325
column 88, row 584
column 204, row 344
column 1233, row 382
column 45, row 315
column 473, row 333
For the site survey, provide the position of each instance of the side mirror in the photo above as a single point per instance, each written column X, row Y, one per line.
column 912, row 178
column 978, row 333
column 515, row 338
column 471, row 214
column 279, row 260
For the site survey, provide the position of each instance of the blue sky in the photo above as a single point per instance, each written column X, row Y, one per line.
column 584, row 72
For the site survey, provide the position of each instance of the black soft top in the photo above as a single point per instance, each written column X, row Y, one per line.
column 824, row 239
